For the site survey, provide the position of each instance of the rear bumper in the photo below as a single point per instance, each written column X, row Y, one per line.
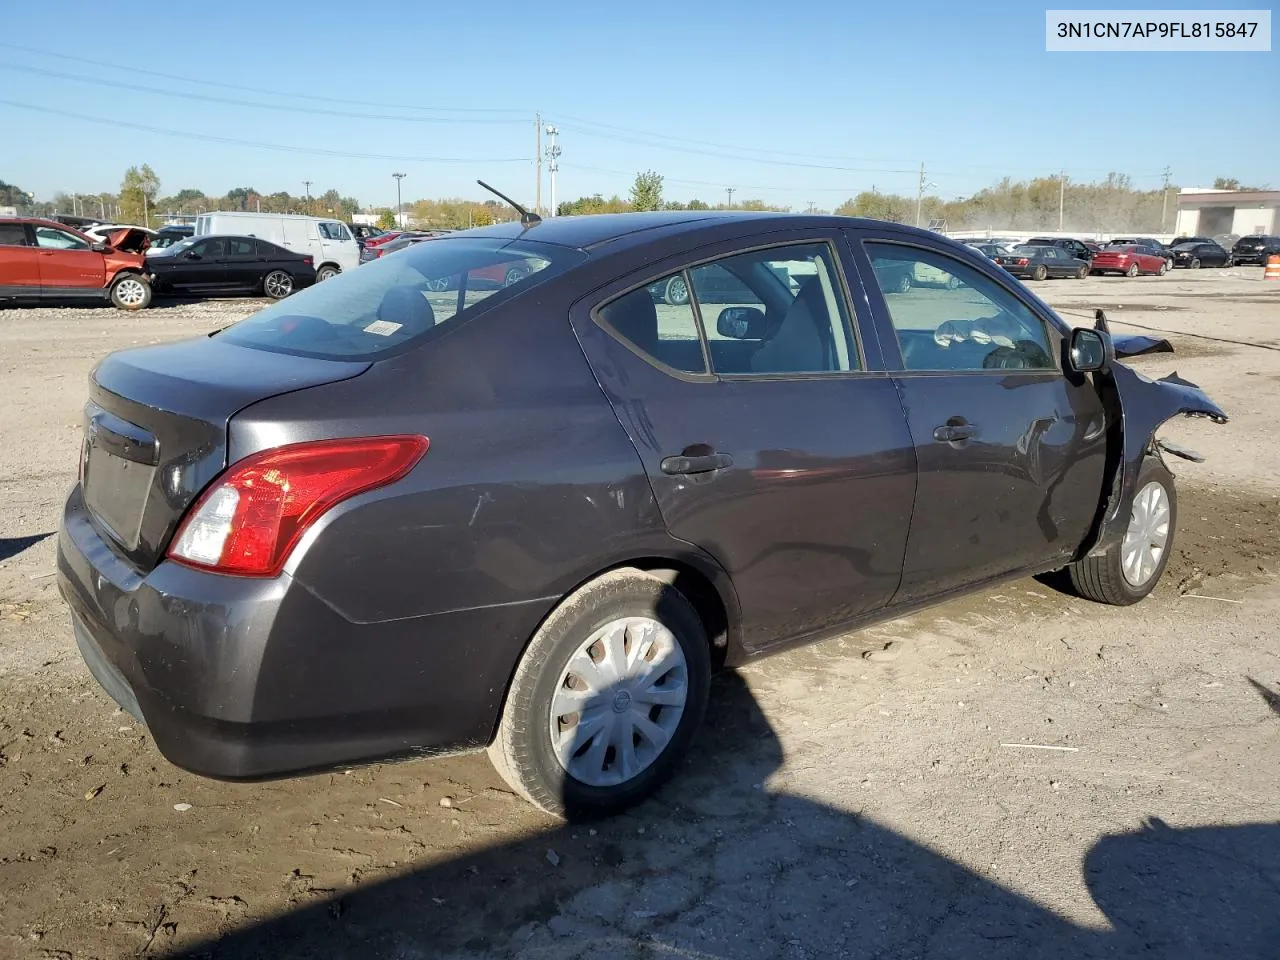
column 239, row 678
column 1258, row 259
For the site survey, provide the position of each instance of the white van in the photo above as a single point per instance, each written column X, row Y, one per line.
column 329, row 242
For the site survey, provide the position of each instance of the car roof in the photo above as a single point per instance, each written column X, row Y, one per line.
column 592, row 230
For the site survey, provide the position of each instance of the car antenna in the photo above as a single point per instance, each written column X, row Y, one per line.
column 527, row 218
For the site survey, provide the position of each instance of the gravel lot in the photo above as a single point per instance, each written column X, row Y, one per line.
column 834, row 806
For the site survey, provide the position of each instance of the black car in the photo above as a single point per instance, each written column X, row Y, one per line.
column 380, row 519
column 1042, row 262
column 1255, row 249
column 1197, row 254
column 1076, row 248
column 228, row 264
column 1179, row 241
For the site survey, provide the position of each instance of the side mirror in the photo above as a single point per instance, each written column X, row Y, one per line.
column 1091, row 351
column 99, row 247
column 191, row 255
column 741, row 323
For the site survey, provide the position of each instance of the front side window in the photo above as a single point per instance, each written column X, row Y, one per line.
column 970, row 323
column 391, row 302
column 333, row 231
column 58, row 239
column 212, row 249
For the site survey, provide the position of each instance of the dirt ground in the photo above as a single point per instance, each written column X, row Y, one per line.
column 833, row 807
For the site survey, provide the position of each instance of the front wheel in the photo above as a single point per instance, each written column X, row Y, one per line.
column 327, row 272
column 1040, row 272
column 1164, row 268
column 1131, row 568
column 130, row 292
column 1132, row 271
column 1195, row 263
column 606, row 698
column 1082, row 273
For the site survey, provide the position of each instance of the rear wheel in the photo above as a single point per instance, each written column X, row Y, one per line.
column 904, row 283
column 1130, row 569
column 1164, row 268
column 606, row 698
column 130, row 292
column 1082, row 273
column 277, row 284
column 1040, row 272
column 1132, row 271
column 327, row 272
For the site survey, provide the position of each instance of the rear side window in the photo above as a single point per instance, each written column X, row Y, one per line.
column 389, row 303
column 241, row 247
column 13, row 235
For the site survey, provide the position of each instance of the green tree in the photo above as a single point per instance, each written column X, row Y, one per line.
column 238, row 197
column 646, row 192
column 696, row 204
column 1226, row 183
column 138, row 194
column 878, row 206
column 387, row 220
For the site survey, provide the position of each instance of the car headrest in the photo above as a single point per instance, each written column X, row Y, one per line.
column 407, row 307
column 635, row 317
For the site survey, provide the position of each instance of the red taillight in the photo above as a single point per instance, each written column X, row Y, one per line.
column 252, row 516
column 308, row 261
column 1023, row 261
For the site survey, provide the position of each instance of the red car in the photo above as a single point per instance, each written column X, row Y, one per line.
column 1130, row 259
column 46, row 260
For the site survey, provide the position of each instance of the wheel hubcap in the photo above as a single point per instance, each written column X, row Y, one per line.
column 130, row 292
column 678, row 291
column 1147, row 535
column 278, row 285
column 618, row 702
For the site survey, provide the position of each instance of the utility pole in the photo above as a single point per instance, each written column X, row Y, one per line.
column 399, row 205
column 537, row 152
column 307, row 184
column 924, row 185
column 810, row 206
column 553, row 155
column 1164, row 198
column 729, row 190
column 1062, row 196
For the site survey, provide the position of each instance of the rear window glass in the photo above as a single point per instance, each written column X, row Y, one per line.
column 368, row 312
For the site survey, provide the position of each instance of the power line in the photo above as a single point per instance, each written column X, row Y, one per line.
column 210, row 138
column 129, row 68
column 209, row 98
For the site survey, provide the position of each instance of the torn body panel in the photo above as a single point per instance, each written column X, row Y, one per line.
column 1137, row 406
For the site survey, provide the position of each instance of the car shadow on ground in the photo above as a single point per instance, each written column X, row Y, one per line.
column 719, row 867
column 12, row 546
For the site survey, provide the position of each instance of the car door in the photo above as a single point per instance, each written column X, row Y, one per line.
column 245, row 263
column 336, row 245
column 201, row 268
column 67, row 263
column 771, row 438
column 19, row 266
column 1011, row 452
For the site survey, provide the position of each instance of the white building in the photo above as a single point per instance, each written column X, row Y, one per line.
column 1203, row 212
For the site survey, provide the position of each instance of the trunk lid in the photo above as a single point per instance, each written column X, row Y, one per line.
column 155, row 429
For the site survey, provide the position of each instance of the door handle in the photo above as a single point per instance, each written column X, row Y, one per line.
column 698, row 464
column 954, row 432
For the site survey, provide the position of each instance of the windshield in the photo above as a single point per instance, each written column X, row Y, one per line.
column 387, row 303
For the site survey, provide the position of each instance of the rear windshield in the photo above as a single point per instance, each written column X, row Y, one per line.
column 380, row 306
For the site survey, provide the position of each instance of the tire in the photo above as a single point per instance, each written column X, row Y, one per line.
column 676, row 292
column 1082, row 273
column 524, row 751
column 1164, row 268
column 1168, row 263
column 327, row 272
column 1040, row 272
column 514, row 275
column 130, row 292
column 1195, row 263
column 953, row 283
column 277, row 284
column 904, row 283
column 1132, row 271
column 1103, row 578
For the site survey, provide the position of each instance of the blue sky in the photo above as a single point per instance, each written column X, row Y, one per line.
column 789, row 103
